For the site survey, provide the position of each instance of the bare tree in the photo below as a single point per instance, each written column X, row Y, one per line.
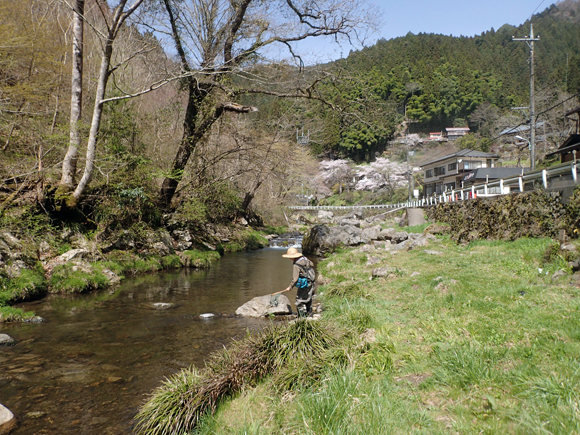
column 114, row 21
column 69, row 165
column 223, row 49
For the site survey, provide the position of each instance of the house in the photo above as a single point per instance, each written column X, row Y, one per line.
column 447, row 173
column 436, row 135
column 570, row 149
column 521, row 130
column 483, row 175
column 454, row 133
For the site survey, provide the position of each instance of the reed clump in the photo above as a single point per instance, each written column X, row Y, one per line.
column 296, row 353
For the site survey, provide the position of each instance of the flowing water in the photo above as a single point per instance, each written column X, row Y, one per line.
column 94, row 359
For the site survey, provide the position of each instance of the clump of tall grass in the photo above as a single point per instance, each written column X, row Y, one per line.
column 346, row 289
column 294, row 352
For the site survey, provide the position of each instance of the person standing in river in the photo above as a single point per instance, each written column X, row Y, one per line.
column 303, row 278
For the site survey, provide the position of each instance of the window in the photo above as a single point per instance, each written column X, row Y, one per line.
column 429, row 173
column 452, row 166
column 449, row 186
column 472, row 164
column 440, row 170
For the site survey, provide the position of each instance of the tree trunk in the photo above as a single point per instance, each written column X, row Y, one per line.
column 194, row 128
column 96, row 121
column 69, row 165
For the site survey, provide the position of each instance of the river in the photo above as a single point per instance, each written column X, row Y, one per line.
column 94, row 359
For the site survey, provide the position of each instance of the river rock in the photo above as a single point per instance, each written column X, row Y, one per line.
column 10, row 240
column 387, row 234
column 559, row 274
column 184, row 239
column 438, row 229
column 384, row 271
column 124, row 242
column 323, row 239
column 111, row 276
column 371, row 233
column 350, row 222
column 261, row 306
column 6, row 339
column 416, row 242
column 73, row 254
column 378, row 218
column 35, row 319
column 163, row 305
column 325, row 216
column 400, row 236
column 7, row 420
column 357, row 214
column 207, row 315
column 570, row 247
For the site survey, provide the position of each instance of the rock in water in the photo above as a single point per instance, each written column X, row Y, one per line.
column 6, row 339
column 207, row 315
column 7, row 420
column 163, row 305
column 261, row 306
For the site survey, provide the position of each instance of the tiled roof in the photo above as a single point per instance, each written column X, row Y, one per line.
column 462, row 153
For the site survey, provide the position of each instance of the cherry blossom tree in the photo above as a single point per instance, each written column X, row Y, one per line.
column 332, row 173
column 382, row 175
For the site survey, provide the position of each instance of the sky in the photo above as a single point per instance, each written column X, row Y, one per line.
column 447, row 17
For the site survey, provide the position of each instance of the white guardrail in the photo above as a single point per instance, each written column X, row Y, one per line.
column 493, row 188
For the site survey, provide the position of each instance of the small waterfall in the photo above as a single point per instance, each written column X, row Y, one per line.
column 287, row 240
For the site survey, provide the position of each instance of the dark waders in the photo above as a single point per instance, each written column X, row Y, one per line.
column 304, row 301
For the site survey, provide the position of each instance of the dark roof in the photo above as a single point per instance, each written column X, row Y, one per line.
column 570, row 144
column 462, row 153
column 492, row 173
column 520, row 128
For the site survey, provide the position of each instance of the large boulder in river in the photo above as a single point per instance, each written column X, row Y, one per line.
column 323, row 239
column 262, row 306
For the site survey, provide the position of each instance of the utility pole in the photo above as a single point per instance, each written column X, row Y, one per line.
column 408, row 167
column 530, row 41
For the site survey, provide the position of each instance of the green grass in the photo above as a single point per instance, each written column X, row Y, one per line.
column 480, row 341
column 200, row 259
column 29, row 285
column 11, row 314
column 69, row 278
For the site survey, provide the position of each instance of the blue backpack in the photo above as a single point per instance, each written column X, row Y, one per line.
column 307, row 275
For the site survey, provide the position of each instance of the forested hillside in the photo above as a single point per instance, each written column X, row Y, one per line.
column 445, row 81
column 442, row 78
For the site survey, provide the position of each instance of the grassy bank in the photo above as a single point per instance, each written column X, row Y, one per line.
column 72, row 278
column 477, row 338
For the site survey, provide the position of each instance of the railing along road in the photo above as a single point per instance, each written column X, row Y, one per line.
column 523, row 182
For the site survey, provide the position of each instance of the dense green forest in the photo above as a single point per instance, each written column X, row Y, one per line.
column 440, row 81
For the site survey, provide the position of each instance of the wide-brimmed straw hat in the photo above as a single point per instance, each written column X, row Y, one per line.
column 292, row 253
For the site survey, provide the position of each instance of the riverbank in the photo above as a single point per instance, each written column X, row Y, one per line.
column 68, row 261
column 476, row 338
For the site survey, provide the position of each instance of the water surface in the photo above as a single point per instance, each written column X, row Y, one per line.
column 89, row 365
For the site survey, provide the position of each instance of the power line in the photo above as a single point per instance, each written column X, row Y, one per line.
column 559, row 104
